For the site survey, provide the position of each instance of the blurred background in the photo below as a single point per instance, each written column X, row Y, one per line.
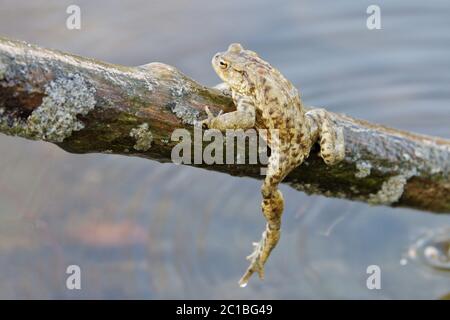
column 141, row 229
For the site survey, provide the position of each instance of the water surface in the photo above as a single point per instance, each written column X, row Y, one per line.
column 141, row 229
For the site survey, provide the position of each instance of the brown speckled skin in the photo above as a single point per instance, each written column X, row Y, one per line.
column 266, row 100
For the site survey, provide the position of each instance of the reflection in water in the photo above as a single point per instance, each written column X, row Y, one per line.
column 140, row 229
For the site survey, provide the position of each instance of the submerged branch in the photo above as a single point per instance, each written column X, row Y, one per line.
column 87, row 106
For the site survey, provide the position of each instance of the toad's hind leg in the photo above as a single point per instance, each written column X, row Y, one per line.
column 272, row 208
column 331, row 138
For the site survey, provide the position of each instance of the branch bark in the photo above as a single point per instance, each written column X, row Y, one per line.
column 87, row 106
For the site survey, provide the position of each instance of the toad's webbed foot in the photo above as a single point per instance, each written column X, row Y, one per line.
column 259, row 255
column 256, row 264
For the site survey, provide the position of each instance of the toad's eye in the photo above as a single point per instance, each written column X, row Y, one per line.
column 223, row 64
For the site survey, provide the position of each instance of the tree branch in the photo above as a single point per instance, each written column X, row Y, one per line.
column 86, row 106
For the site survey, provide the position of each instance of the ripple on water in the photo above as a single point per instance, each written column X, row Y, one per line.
column 432, row 249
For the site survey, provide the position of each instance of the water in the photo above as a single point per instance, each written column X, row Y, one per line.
column 140, row 229
column 432, row 250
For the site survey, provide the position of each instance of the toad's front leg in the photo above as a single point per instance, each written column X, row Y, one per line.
column 242, row 118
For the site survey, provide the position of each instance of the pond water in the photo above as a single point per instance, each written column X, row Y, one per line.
column 141, row 229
